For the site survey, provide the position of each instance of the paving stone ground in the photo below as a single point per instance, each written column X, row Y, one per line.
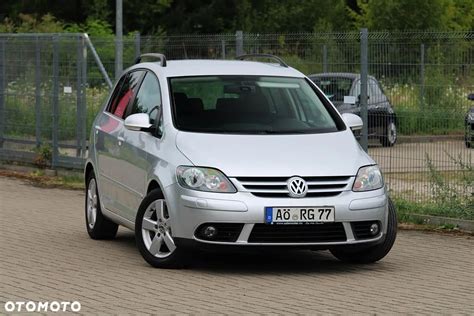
column 46, row 255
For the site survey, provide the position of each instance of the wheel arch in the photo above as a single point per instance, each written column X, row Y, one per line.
column 87, row 170
column 393, row 116
column 153, row 184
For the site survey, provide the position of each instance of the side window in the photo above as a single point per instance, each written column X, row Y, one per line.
column 371, row 90
column 356, row 92
column 124, row 93
column 378, row 93
column 112, row 106
column 148, row 99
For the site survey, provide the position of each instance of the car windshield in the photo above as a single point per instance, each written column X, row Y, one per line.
column 249, row 105
column 335, row 88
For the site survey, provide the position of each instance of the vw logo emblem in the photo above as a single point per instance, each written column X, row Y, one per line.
column 297, row 187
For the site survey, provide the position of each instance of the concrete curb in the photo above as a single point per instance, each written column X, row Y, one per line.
column 463, row 224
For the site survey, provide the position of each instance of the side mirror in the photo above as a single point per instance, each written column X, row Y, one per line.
column 471, row 97
column 353, row 121
column 138, row 122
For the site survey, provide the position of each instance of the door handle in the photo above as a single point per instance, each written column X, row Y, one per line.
column 120, row 140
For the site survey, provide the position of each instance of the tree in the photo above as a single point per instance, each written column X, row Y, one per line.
column 414, row 14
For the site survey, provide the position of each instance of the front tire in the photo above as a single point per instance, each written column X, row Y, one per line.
column 154, row 234
column 98, row 226
column 374, row 253
column 390, row 137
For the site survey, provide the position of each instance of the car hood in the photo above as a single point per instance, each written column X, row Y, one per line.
column 328, row 154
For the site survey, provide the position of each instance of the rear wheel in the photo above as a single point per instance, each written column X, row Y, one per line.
column 374, row 253
column 98, row 226
column 390, row 137
column 154, row 234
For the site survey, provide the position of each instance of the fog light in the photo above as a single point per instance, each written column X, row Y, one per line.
column 374, row 229
column 210, row 232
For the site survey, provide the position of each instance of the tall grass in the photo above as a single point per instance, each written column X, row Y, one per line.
column 448, row 198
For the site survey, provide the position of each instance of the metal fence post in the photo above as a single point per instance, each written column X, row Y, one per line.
column 2, row 90
column 79, row 96
column 325, row 58
column 422, row 75
column 84, row 94
column 363, row 86
column 239, row 43
column 55, row 102
column 38, row 92
column 118, row 39
column 97, row 60
column 223, row 49
column 137, row 44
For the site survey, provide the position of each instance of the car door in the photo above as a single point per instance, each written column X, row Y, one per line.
column 135, row 162
column 109, row 138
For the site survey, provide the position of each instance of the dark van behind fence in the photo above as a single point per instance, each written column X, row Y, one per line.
column 52, row 85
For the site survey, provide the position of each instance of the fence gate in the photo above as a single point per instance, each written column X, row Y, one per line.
column 43, row 112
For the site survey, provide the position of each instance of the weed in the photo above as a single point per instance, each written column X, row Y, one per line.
column 43, row 157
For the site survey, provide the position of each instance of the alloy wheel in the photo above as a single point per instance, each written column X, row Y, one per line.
column 156, row 230
column 91, row 203
column 392, row 133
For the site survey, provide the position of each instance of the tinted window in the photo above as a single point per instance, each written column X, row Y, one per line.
column 335, row 88
column 376, row 93
column 357, row 89
column 124, row 93
column 249, row 104
column 371, row 90
column 148, row 99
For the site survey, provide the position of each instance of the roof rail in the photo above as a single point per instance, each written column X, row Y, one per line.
column 161, row 57
column 276, row 58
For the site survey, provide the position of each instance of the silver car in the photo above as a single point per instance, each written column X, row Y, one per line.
column 232, row 154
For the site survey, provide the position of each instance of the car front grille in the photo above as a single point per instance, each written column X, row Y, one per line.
column 276, row 187
column 296, row 233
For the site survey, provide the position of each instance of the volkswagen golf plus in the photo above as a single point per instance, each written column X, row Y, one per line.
column 240, row 154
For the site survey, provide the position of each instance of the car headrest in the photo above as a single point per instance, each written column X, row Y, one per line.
column 226, row 104
column 195, row 105
column 180, row 98
column 254, row 103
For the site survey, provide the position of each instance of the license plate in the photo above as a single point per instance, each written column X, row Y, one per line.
column 281, row 215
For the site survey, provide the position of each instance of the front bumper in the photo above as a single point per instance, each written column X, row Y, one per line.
column 190, row 209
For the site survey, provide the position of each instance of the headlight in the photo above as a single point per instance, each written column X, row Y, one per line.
column 470, row 116
column 204, row 179
column 368, row 178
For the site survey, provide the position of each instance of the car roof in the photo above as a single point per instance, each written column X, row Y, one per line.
column 197, row 67
column 348, row 75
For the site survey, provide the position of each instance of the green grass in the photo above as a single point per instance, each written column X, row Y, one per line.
column 438, row 109
column 20, row 118
column 406, row 208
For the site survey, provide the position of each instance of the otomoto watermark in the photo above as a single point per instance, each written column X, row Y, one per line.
column 47, row 306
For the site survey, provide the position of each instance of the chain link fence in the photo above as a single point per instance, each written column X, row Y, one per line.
column 51, row 87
